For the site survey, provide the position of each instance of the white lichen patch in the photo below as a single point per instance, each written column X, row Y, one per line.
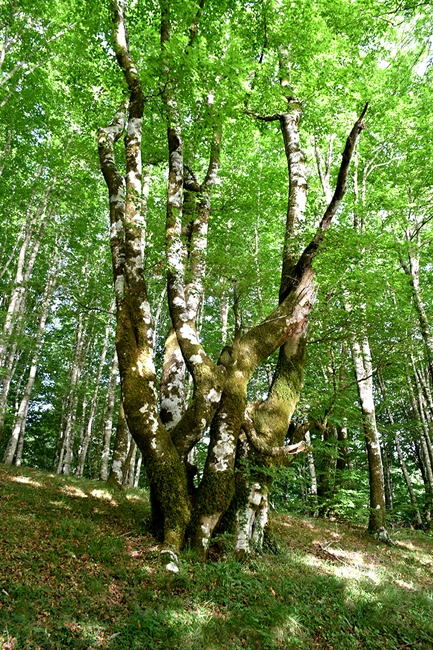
column 134, row 125
column 135, row 264
column 146, row 367
column 207, row 526
column 256, row 495
column 173, row 405
column 224, row 449
column 145, row 310
column 187, row 332
column 115, row 228
column 116, row 468
column 196, row 359
column 119, row 286
column 213, row 395
column 178, row 302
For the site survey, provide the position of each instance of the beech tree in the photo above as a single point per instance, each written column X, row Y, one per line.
column 234, row 116
column 167, row 431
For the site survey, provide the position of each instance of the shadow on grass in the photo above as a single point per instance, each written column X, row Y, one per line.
column 77, row 571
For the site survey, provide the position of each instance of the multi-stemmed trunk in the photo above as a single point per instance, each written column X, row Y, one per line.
column 218, row 401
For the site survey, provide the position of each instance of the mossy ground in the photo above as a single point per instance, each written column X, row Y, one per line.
column 79, row 570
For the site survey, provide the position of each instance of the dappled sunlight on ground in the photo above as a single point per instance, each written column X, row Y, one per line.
column 405, row 585
column 61, row 504
column 290, row 626
column 136, row 497
column 72, row 491
column 26, row 480
column 89, row 574
column 104, row 494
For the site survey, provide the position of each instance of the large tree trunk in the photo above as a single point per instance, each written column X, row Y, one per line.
column 218, row 401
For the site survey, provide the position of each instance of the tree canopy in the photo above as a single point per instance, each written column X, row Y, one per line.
column 228, row 222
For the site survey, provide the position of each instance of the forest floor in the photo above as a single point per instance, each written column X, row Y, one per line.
column 78, row 570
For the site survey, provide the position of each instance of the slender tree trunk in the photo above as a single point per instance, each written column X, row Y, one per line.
column 424, row 454
column 364, row 377
column 424, row 382
column 412, row 270
column 387, row 478
column 224, row 313
column 108, row 425
column 408, row 482
column 313, row 477
column 120, row 451
column 421, row 413
column 84, row 446
column 138, row 470
column 18, row 431
column 67, row 432
column 8, row 372
column 343, row 458
column 130, row 467
column 36, row 222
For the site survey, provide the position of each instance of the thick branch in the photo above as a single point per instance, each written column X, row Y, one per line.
column 123, row 55
column 267, row 450
column 310, row 252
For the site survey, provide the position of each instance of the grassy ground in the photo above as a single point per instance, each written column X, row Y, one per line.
column 78, row 570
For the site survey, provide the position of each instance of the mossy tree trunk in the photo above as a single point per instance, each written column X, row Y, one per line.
column 166, row 430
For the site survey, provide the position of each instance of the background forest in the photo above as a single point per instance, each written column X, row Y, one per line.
column 370, row 343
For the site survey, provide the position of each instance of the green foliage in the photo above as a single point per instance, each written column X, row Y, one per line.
column 337, row 55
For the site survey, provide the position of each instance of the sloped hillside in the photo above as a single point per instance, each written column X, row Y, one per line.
column 78, row 570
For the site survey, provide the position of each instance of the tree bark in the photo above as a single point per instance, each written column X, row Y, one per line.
column 82, row 451
column 313, row 477
column 108, row 424
column 18, row 430
column 364, row 377
column 120, row 451
column 63, row 461
column 219, row 389
column 413, row 272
